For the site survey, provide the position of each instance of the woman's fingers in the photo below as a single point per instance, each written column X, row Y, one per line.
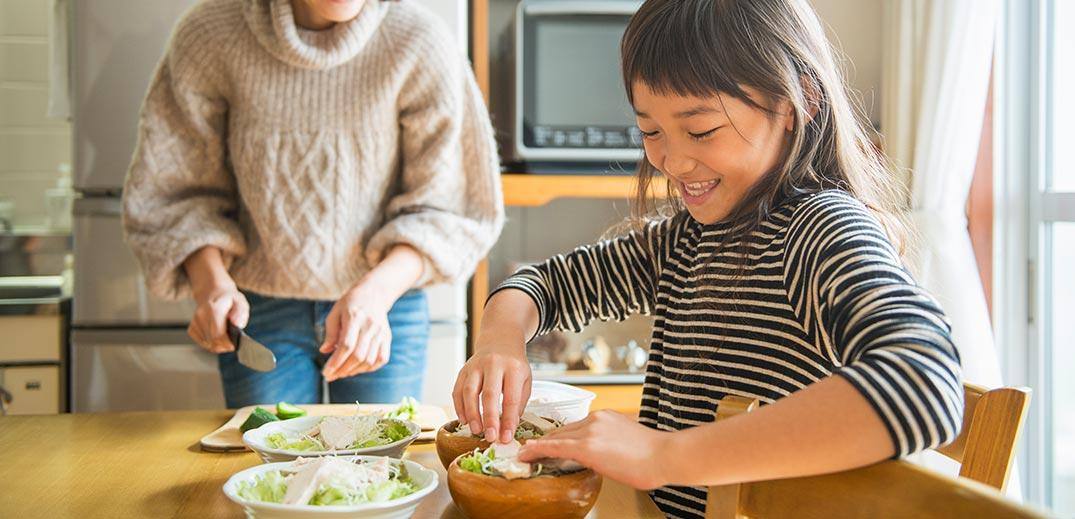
column 344, row 348
column 240, row 310
column 363, row 344
column 332, row 331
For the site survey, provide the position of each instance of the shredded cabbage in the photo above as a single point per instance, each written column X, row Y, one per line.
column 270, row 487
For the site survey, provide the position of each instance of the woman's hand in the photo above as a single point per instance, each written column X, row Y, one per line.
column 356, row 329
column 215, row 307
column 357, row 334
column 611, row 444
column 498, row 368
column 218, row 301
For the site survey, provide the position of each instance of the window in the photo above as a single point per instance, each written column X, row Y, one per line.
column 1036, row 227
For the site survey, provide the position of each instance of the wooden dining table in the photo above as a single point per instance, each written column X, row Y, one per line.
column 149, row 464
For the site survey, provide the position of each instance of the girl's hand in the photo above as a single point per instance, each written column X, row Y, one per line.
column 216, row 305
column 611, row 444
column 498, row 367
column 357, row 334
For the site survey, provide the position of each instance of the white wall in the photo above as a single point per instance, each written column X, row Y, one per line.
column 32, row 146
column 855, row 28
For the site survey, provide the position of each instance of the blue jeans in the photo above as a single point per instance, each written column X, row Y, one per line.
column 293, row 329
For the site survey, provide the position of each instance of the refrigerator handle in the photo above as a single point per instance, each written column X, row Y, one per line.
column 98, row 206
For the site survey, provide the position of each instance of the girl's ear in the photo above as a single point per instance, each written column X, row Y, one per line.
column 812, row 94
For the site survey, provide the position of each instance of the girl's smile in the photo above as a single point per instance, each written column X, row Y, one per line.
column 712, row 149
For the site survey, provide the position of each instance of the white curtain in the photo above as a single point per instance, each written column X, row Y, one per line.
column 939, row 56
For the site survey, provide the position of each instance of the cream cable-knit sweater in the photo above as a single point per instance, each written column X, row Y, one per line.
column 304, row 155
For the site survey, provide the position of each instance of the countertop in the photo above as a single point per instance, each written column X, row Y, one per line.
column 148, row 464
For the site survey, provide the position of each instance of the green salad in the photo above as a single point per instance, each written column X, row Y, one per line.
column 330, row 481
column 501, row 460
column 334, row 433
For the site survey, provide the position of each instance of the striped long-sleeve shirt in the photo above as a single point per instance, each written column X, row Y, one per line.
column 820, row 292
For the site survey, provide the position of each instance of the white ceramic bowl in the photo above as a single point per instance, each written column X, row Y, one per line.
column 401, row 508
column 255, row 439
column 560, row 401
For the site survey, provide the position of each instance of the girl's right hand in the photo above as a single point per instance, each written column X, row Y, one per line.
column 498, row 367
column 216, row 306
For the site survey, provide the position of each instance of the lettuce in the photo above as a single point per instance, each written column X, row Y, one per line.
column 478, row 462
column 268, row 487
column 304, row 444
column 329, row 495
column 407, row 410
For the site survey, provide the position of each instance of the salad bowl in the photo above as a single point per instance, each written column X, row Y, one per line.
column 250, row 488
column 290, row 439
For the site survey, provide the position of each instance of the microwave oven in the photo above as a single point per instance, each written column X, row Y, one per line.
column 569, row 105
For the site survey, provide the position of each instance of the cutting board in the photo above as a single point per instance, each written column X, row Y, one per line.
column 227, row 438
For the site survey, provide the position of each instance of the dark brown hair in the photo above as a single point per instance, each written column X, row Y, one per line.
column 703, row 48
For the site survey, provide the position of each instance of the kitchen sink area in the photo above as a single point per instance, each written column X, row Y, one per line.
column 35, row 309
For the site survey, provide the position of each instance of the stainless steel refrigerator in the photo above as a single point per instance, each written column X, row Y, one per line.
column 130, row 350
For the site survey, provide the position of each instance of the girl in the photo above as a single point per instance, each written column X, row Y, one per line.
column 775, row 278
column 303, row 164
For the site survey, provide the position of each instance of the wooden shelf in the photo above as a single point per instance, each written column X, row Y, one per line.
column 532, row 190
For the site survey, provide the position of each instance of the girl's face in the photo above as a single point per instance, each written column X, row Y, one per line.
column 323, row 13
column 712, row 149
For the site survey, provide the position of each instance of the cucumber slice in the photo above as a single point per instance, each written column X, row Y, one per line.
column 286, row 411
column 258, row 418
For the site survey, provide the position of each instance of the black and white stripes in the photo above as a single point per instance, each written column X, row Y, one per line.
column 820, row 292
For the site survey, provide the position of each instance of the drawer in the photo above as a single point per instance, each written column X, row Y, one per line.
column 30, row 338
column 33, row 389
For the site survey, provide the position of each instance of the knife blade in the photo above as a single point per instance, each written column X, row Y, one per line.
column 252, row 354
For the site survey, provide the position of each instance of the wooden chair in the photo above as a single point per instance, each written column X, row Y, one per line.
column 887, row 489
column 992, row 422
column 985, row 448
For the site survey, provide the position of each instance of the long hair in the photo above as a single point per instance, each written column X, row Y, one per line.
column 703, row 48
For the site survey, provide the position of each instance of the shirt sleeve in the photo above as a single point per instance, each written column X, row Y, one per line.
column 179, row 194
column 449, row 204
column 609, row 280
column 889, row 337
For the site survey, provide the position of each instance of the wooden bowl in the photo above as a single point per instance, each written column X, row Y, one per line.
column 451, row 446
column 489, row 497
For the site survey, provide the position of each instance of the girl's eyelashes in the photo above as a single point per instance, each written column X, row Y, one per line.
column 702, row 136
column 696, row 136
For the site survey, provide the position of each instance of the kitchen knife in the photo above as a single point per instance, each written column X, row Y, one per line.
column 252, row 354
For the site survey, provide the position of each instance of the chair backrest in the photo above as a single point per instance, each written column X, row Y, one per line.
column 992, row 422
column 985, row 448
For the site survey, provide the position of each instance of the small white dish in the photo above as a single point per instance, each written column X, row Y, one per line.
column 559, row 401
column 256, row 440
column 402, row 508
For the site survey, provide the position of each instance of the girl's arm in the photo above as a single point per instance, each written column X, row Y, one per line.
column 609, row 280
column 827, row 427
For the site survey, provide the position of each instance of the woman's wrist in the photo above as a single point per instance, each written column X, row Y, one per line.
column 206, row 271
column 401, row 268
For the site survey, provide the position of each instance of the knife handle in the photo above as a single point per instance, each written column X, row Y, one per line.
column 233, row 334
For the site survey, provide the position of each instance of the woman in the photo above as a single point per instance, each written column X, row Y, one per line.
column 301, row 166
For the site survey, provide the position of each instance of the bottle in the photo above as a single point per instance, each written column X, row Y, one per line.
column 59, row 201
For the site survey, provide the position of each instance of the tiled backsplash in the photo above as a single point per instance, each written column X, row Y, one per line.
column 32, row 146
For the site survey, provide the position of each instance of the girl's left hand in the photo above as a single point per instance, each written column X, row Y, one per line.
column 357, row 334
column 611, row 444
